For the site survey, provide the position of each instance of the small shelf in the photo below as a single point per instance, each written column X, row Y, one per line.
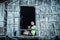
column 27, row 37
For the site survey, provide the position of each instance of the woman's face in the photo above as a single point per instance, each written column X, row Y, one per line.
column 32, row 23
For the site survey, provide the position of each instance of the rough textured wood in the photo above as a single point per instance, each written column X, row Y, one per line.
column 47, row 16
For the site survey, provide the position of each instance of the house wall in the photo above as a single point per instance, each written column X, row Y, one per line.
column 13, row 19
column 47, row 16
column 2, row 7
column 2, row 13
column 47, row 13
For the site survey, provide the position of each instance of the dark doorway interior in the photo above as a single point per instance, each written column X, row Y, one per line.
column 1, row 1
column 27, row 15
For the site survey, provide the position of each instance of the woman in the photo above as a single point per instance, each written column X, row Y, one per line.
column 33, row 29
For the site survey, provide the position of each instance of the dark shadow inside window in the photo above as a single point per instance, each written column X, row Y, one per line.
column 27, row 15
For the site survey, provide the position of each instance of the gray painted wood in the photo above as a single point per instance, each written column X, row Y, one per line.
column 47, row 16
